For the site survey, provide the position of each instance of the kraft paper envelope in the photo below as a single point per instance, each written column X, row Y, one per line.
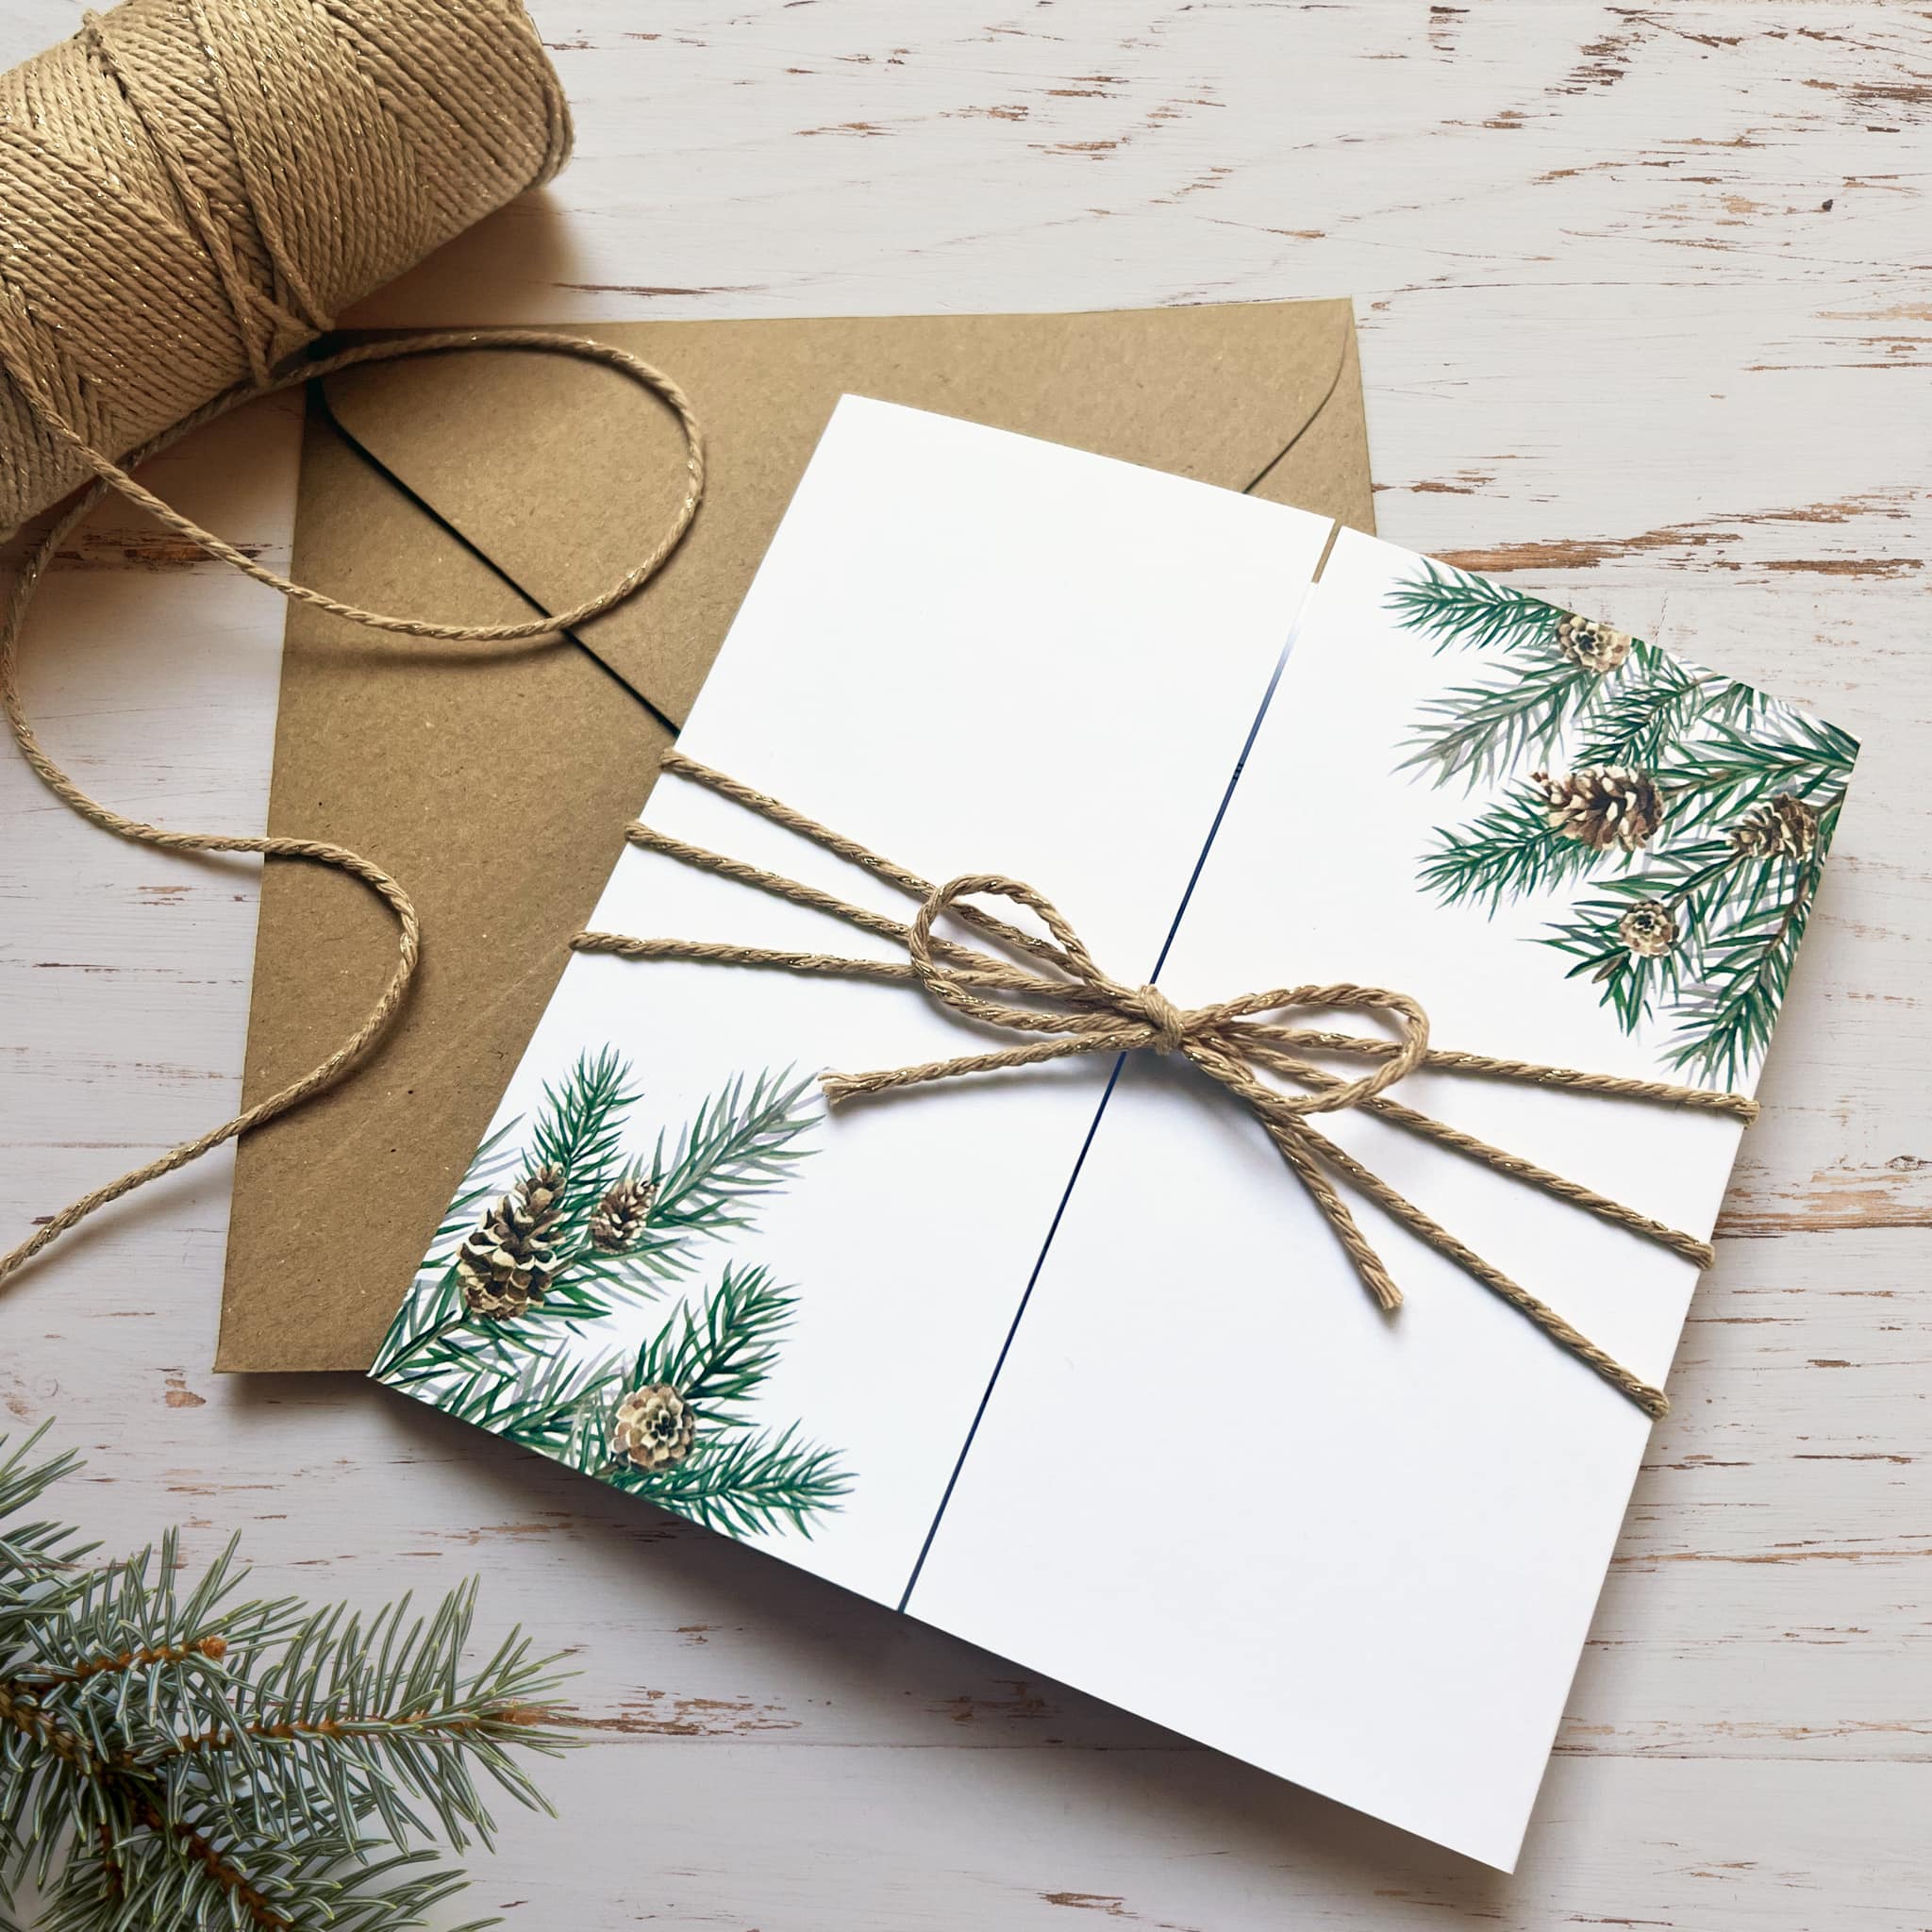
column 496, row 782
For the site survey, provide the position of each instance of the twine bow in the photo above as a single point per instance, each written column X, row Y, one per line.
column 1081, row 1009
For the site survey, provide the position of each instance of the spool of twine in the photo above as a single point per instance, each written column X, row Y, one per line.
column 191, row 190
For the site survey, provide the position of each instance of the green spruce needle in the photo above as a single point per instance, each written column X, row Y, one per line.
column 176, row 1757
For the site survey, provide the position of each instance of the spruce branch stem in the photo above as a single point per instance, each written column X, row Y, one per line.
column 173, row 1758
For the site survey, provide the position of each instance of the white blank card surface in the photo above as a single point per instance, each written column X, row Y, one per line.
column 1065, row 1361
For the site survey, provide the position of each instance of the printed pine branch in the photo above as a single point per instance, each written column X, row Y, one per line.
column 742, row 1145
column 718, row 1355
column 698, row 1186
column 1640, row 939
column 1477, row 731
column 577, row 1135
column 176, row 1759
column 1465, row 612
column 1725, row 1020
column 683, row 1435
column 1637, row 722
column 671, row 1423
column 536, row 1401
column 1511, row 850
column 488, row 1173
column 1550, row 670
column 744, row 1485
column 1729, row 772
column 580, row 1131
column 1708, row 806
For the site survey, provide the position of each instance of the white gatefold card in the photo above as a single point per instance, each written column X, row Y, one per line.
column 1064, row 1359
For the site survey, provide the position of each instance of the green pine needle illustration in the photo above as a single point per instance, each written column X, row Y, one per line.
column 539, row 1403
column 742, row 1145
column 1467, row 612
column 705, row 1183
column 1509, row 851
column 553, row 1262
column 1727, row 771
column 1726, row 1019
column 717, row 1358
column 748, row 1484
column 1694, row 917
column 1477, row 731
column 1634, row 722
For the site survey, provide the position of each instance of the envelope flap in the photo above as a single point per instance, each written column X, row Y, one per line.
column 561, row 475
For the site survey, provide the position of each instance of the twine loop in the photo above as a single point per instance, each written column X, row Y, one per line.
column 1093, row 1012
column 1074, row 1007
column 190, row 190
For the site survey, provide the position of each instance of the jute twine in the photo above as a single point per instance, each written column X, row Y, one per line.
column 1084, row 1011
column 189, row 189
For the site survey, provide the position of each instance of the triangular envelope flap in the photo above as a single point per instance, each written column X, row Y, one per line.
column 562, row 474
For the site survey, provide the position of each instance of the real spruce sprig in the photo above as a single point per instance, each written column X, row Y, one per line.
column 181, row 1759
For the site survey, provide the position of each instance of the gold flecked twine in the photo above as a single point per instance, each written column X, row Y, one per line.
column 190, row 190
column 1083, row 1010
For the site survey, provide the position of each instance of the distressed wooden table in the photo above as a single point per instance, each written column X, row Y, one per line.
column 1644, row 299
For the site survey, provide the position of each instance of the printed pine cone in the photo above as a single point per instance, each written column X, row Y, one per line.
column 508, row 1262
column 654, row 1426
column 620, row 1215
column 1649, row 929
column 1591, row 645
column 1604, row 806
column 1784, row 827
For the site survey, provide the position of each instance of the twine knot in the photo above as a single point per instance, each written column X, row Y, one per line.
column 1090, row 1011
column 1079, row 1009
column 1149, row 1004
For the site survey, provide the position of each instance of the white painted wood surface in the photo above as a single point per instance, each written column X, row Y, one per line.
column 1645, row 305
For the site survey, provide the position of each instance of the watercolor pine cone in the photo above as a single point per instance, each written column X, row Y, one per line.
column 619, row 1218
column 654, row 1426
column 1782, row 827
column 509, row 1262
column 1683, row 816
column 1591, row 645
column 503, row 1326
column 1610, row 806
column 1648, row 929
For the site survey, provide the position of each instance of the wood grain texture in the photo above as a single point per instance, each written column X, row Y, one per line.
column 1645, row 308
